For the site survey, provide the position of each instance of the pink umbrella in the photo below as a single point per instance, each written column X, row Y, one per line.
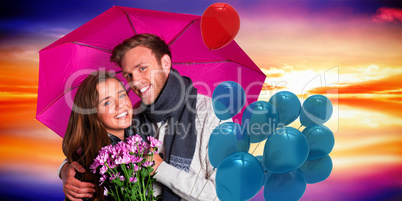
column 65, row 63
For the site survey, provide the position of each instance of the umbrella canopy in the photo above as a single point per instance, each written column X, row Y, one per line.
column 65, row 63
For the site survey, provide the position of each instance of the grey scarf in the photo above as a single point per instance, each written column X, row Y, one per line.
column 179, row 98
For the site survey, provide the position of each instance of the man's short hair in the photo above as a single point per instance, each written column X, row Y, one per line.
column 151, row 41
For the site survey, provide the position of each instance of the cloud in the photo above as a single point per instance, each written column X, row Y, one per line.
column 388, row 15
column 391, row 85
column 296, row 81
column 274, row 70
column 371, row 68
column 54, row 33
column 17, row 53
column 378, row 104
column 17, row 112
column 269, row 87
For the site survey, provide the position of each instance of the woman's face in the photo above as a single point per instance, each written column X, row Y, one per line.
column 114, row 106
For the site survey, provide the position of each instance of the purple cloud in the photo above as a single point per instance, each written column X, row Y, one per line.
column 388, row 15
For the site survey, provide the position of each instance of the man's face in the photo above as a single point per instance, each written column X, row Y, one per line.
column 144, row 74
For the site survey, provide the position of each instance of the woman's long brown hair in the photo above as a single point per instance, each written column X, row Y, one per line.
column 85, row 134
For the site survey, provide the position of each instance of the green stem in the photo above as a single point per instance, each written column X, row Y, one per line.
column 111, row 169
column 144, row 189
column 149, row 184
column 110, row 191
column 139, row 185
column 126, row 176
column 122, row 193
column 149, row 169
column 118, row 197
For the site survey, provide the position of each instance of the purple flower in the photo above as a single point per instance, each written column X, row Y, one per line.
column 136, row 159
column 135, row 167
column 148, row 163
column 123, row 159
column 102, row 157
column 106, row 149
column 133, row 149
column 144, row 146
column 133, row 179
column 102, row 179
column 114, row 176
column 117, row 175
column 94, row 166
column 112, row 164
column 103, row 170
column 130, row 154
column 137, row 138
column 154, row 142
column 134, row 140
column 105, row 191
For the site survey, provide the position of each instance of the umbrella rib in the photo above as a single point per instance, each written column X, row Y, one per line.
column 208, row 62
column 181, row 32
column 205, row 62
column 131, row 23
column 99, row 48
column 55, row 100
column 62, row 95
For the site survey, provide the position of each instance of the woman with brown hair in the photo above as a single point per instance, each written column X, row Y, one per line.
column 100, row 115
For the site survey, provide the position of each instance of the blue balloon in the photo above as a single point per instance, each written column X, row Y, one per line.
column 240, row 176
column 317, row 170
column 320, row 140
column 288, row 106
column 285, row 150
column 226, row 139
column 228, row 99
column 288, row 186
column 260, row 120
column 316, row 109
column 267, row 174
column 259, row 158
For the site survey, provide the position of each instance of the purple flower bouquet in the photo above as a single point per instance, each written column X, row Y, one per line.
column 125, row 169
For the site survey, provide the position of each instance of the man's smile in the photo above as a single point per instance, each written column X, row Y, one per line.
column 143, row 89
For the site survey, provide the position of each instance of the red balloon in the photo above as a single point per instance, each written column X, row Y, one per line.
column 220, row 23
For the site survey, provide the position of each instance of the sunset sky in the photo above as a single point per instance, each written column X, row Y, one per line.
column 347, row 50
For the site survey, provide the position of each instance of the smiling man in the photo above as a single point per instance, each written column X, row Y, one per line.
column 144, row 73
column 171, row 111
